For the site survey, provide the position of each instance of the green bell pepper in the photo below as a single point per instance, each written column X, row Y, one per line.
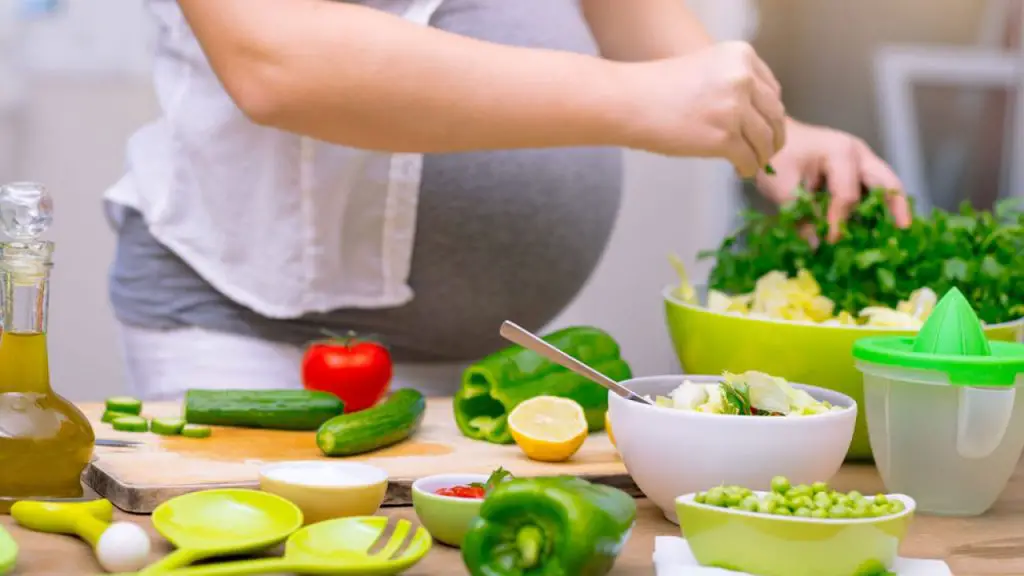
column 492, row 387
column 553, row 526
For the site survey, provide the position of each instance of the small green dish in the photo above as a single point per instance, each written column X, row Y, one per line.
column 792, row 546
column 446, row 518
column 8, row 552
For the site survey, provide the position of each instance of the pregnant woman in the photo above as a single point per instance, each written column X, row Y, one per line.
column 416, row 169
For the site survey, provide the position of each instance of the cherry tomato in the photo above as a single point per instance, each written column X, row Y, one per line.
column 356, row 370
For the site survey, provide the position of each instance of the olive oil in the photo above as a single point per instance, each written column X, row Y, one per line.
column 45, row 441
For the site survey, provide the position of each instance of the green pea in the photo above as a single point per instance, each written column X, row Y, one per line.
column 699, row 497
column 803, row 512
column 861, row 510
column 854, row 495
column 822, row 500
column 733, row 498
column 714, row 498
column 780, row 484
column 802, row 502
column 819, row 513
column 896, row 506
column 800, row 490
column 839, row 511
column 881, row 499
column 766, row 506
column 819, row 487
column 750, row 504
column 783, row 511
column 879, row 511
column 842, row 500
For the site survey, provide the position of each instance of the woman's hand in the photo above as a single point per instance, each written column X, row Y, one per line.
column 720, row 101
column 814, row 155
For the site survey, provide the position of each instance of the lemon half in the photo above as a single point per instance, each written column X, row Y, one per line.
column 548, row 428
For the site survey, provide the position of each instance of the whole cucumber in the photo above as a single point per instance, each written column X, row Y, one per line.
column 271, row 409
column 387, row 423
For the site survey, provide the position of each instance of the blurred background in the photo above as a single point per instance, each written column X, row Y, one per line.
column 932, row 84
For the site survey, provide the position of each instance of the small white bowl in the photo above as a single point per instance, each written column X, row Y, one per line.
column 672, row 452
column 325, row 489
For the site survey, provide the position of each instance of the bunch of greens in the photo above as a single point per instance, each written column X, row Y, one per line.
column 877, row 264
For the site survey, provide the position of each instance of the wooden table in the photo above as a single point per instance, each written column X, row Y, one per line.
column 989, row 545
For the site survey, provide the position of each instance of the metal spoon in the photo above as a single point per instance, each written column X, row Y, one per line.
column 519, row 335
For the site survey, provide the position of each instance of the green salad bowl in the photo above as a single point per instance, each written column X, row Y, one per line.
column 709, row 342
column 770, row 545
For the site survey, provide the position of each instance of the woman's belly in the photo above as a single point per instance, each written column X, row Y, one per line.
column 500, row 235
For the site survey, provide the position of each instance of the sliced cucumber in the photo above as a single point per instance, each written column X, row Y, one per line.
column 130, row 424
column 167, row 426
column 196, row 431
column 124, row 405
column 110, row 415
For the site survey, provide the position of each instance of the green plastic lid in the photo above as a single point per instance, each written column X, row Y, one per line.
column 952, row 341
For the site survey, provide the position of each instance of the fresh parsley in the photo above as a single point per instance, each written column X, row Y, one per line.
column 497, row 477
column 877, row 264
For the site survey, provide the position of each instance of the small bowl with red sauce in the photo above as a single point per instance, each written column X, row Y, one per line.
column 446, row 504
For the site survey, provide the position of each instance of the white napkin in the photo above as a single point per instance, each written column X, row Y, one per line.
column 672, row 557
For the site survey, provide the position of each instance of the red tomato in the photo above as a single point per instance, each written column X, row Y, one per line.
column 357, row 371
column 472, row 492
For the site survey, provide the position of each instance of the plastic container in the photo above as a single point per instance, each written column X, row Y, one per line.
column 945, row 410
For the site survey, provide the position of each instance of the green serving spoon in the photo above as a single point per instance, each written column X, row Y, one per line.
column 8, row 552
column 226, row 522
column 355, row 545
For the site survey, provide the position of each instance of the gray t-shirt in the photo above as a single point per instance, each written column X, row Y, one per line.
column 500, row 235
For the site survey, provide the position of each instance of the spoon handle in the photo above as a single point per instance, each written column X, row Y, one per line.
column 176, row 559
column 239, row 568
column 519, row 335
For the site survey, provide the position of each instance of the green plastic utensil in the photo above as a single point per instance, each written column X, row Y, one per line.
column 8, row 552
column 222, row 523
column 355, row 545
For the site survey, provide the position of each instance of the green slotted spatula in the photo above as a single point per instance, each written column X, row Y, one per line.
column 8, row 552
column 364, row 545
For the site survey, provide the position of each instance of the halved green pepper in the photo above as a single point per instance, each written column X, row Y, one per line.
column 552, row 526
column 492, row 387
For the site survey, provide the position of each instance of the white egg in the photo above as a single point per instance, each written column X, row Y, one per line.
column 123, row 547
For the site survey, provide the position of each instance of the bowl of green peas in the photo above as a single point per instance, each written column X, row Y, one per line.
column 806, row 529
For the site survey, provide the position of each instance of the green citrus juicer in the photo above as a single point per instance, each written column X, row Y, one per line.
column 8, row 552
column 944, row 410
column 364, row 545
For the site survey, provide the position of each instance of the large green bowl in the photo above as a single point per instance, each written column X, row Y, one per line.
column 712, row 342
column 789, row 546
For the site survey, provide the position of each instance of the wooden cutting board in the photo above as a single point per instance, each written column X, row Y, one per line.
column 139, row 479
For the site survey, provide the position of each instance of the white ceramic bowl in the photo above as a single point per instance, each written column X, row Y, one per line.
column 673, row 452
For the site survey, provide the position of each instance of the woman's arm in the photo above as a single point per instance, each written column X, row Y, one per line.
column 360, row 77
column 631, row 30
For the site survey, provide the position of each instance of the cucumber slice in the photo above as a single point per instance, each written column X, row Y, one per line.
column 130, row 424
column 167, row 426
column 110, row 415
column 196, row 431
column 125, row 405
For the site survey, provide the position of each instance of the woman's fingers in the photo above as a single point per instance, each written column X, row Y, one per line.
column 843, row 174
column 767, row 103
column 875, row 173
column 758, row 131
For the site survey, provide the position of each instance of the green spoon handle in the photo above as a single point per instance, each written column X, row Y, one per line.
column 177, row 559
column 240, row 568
